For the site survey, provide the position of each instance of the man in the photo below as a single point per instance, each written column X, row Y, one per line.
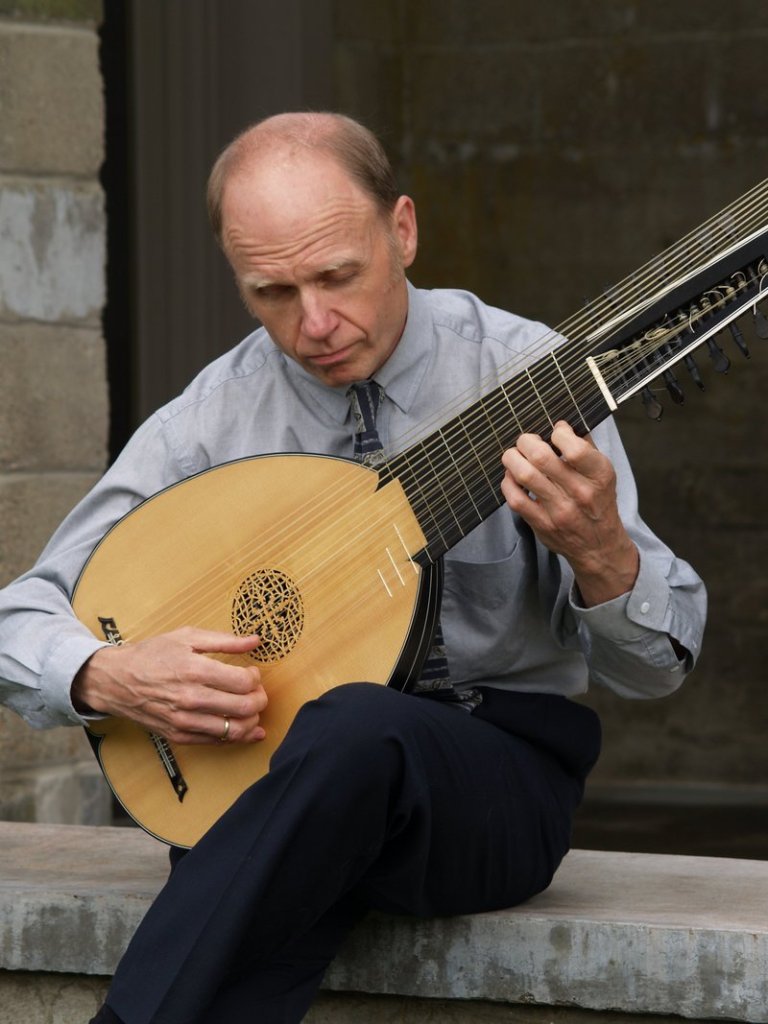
column 455, row 798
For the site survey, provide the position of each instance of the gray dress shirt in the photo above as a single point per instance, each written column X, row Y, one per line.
column 510, row 615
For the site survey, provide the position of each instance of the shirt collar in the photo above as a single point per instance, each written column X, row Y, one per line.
column 402, row 376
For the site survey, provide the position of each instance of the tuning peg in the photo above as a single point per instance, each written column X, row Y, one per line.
column 738, row 337
column 720, row 360
column 693, row 369
column 654, row 410
column 674, row 389
column 761, row 324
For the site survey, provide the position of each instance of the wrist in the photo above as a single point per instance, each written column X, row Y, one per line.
column 608, row 576
column 86, row 690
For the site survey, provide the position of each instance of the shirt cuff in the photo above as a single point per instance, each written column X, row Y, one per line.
column 59, row 671
column 628, row 618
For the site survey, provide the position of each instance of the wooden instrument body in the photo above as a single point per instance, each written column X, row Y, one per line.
column 338, row 594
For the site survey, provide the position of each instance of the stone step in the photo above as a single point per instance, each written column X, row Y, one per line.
column 635, row 933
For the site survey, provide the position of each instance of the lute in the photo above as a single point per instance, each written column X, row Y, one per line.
column 345, row 584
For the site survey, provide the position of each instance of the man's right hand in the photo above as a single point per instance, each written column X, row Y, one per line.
column 168, row 685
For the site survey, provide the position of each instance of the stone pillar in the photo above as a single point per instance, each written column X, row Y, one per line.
column 53, row 393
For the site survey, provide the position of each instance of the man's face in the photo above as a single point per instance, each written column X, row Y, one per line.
column 318, row 264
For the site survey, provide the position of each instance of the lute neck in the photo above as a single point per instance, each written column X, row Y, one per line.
column 453, row 477
column 607, row 353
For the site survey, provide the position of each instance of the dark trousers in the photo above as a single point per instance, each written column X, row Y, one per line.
column 375, row 799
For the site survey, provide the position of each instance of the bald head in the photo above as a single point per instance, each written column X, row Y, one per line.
column 293, row 135
column 308, row 216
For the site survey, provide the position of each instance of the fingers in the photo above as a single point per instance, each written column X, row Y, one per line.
column 533, row 480
column 580, row 454
column 560, row 494
column 189, row 643
column 194, row 712
column 568, row 498
column 191, row 727
column 170, row 684
column 536, row 473
column 210, row 641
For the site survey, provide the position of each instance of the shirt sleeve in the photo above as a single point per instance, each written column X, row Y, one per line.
column 42, row 643
column 628, row 642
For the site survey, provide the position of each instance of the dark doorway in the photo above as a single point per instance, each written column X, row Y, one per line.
column 182, row 77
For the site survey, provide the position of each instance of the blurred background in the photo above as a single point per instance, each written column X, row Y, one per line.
column 551, row 149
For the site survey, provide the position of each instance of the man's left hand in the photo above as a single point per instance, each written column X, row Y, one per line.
column 569, row 501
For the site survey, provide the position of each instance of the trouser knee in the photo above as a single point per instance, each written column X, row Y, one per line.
column 355, row 717
column 358, row 738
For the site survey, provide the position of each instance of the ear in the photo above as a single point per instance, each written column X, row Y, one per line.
column 405, row 229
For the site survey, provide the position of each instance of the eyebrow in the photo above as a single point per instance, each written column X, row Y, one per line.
column 257, row 281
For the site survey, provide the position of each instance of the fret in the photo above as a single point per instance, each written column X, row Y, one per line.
column 475, row 452
column 460, row 474
column 487, row 433
column 482, row 405
column 540, row 399
column 570, row 394
column 440, row 476
column 505, row 393
column 546, row 380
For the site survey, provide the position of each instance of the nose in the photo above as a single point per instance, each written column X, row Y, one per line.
column 317, row 317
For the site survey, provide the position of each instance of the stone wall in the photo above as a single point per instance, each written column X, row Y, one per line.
column 53, row 399
column 552, row 148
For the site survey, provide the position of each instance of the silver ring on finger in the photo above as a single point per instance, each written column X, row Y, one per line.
column 225, row 735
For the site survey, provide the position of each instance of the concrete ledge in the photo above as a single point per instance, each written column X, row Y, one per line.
column 71, row 896
column 632, row 932
column 636, row 933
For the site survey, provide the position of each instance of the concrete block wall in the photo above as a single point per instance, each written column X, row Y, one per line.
column 551, row 150
column 53, row 395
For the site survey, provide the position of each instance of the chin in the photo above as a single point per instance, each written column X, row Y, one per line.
column 342, row 377
column 335, row 376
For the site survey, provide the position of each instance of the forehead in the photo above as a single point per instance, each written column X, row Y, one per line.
column 281, row 206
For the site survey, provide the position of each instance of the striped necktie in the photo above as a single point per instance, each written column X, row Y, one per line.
column 364, row 399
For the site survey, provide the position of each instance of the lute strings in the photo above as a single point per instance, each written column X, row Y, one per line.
column 568, row 358
column 483, row 443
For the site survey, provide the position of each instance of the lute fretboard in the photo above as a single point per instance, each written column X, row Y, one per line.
column 581, row 372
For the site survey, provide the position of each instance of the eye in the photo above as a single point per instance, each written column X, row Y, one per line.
column 273, row 292
column 337, row 278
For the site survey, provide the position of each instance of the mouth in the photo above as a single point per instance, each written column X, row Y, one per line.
column 333, row 358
